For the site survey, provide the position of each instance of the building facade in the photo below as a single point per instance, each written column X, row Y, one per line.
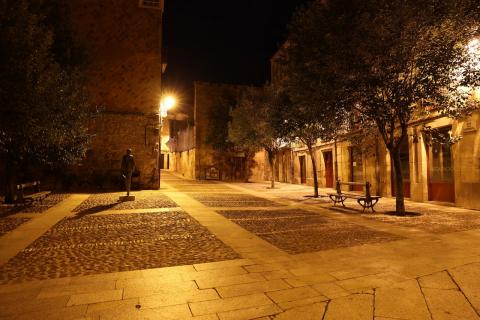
column 198, row 150
column 432, row 169
column 122, row 42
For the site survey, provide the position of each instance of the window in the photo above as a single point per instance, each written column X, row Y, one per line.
column 151, row 4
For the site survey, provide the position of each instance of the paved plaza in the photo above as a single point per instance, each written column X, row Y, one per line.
column 211, row 250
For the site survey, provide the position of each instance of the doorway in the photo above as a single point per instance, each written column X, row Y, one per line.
column 303, row 170
column 405, row 163
column 328, row 160
column 162, row 161
column 441, row 183
column 356, row 167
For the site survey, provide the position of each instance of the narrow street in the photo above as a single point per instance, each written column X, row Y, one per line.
column 210, row 250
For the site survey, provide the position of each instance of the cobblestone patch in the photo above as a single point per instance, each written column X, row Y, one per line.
column 109, row 201
column 431, row 219
column 35, row 207
column 298, row 231
column 113, row 243
column 8, row 224
column 233, row 200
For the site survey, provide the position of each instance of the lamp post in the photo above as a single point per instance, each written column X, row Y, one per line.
column 166, row 103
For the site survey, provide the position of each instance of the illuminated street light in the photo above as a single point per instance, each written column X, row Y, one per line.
column 166, row 103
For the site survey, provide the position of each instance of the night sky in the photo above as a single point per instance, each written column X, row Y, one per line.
column 227, row 41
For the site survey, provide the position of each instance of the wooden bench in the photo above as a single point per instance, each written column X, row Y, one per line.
column 34, row 193
column 366, row 201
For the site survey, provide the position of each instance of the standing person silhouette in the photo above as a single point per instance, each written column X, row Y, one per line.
column 128, row 166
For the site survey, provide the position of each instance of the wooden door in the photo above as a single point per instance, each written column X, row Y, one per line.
column 328, row 160
column 162, row 161
column 303, row 170
column 441, row 183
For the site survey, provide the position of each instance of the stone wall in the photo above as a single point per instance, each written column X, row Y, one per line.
column 123, row 52
column 116, row 132
column 377, row 167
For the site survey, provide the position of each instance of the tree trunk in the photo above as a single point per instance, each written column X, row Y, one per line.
column 10, row 181
column 314, row 168
column 271, row 160
column 399, row 195
column 247, row 166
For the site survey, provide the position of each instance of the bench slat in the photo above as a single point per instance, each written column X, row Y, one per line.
column 28, row 185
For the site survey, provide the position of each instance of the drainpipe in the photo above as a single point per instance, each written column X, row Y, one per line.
column 377, row 168
column 336, row 161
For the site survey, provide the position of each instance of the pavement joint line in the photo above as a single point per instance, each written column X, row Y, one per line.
column 463, row 293
column 325, row 310
column 424, row 298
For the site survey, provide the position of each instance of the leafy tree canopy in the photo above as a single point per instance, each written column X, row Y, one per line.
column 43, row 106
column 386, row 60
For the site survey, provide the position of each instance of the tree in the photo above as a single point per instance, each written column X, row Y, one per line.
column 242, row 130
column 390, row 60
column 44, row 108
column 255, row 124
column 309, row 107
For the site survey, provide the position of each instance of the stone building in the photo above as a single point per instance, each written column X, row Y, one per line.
column 433, row 171
column 194, row 152
column 122, row 42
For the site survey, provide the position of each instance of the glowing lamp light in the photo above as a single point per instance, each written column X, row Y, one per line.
column 166, row 104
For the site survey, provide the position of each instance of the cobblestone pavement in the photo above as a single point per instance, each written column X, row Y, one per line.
column 112, row 243
column 8, row 224
column 109, row 201
column 298, row 231
column 232, row 200
column 425, row 273
column 36, row 207
column 432, row 217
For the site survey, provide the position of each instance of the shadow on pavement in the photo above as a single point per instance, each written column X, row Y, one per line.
column 95, row 209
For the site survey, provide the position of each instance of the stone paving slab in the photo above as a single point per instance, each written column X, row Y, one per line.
column 420, row 275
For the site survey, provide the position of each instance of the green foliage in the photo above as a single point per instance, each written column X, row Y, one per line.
column 43, row 106
column 243, row 131
column 256, row 122
column 384, row 60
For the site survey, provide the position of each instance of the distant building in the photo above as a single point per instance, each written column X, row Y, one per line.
column 122, row 41
column 197, row 148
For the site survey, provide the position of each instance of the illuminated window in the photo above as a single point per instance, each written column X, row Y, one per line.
column 151, row 4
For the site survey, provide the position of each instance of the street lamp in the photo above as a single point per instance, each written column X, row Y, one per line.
column 166, row 103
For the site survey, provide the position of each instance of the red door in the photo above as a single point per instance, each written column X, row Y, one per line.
column 328, row 159
column 441, row 184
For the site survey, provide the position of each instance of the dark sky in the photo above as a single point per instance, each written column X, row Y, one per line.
column 228, row 41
